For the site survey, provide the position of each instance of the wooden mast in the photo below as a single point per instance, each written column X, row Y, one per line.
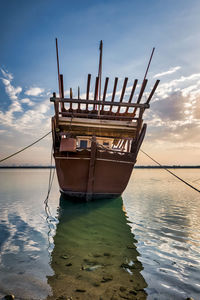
column 144, row 83
column 100, row 73
column 60, row 78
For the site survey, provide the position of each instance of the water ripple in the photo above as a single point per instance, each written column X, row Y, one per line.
column 165, row 220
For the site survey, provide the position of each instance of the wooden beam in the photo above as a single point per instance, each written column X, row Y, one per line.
column 88, row 90
column 123, row 92
column 139, row 123
column 114, row 92
column 62, row 92
column 90, row 183
column 153, row 91
column 141, row 93
column 96, row 92
column 79, row 106
column 149, row 64
column 78, row 92
column 136, row 143
column 58, row 68
column 96, row 89
column 105, row 91
column 142, row 90
column 84, row 101
column 71, row 97
column 132, row 93
column 91, row 115
column 56, row 107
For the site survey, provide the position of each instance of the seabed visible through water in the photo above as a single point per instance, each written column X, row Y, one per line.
column 95, row 254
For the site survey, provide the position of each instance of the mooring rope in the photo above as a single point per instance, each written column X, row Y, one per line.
column 187, row 183
column 47, row 209
column 25, row 147
column 51, row 176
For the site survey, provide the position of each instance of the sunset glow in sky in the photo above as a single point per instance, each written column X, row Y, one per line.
column 129, row 30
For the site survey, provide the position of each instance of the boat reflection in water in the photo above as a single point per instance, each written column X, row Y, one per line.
column 95, row 255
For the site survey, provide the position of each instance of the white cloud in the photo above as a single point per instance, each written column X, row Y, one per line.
column 34, row 91
column 10, row 89
column 170, row 71
column 27, row 101
column 31, row 119
column 6, row 74
column 174, row 115
column 12, row 92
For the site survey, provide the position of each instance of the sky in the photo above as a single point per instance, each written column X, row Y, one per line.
column 129, row 30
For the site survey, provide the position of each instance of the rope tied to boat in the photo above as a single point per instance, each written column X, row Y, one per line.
column 187, row 183
column 38, row 140
column 52, row 176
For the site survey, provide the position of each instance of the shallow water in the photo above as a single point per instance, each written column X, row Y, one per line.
column 144, row 246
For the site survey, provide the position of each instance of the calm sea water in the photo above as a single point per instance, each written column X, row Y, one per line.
column 144, row 245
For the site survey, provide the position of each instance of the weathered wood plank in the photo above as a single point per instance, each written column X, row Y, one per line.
column 132, row 93
column 123, row 92
column 142, row 90
column 62, row 106
column 88, row 90
column 105, row 91
column 100, row 122
column 79, row 106
column 98, row 131
column 109, row 103
column 71, row 97
column 109, row 117
column 114, row 92
column 96, row 91
column 56, row 108
column 141, row 93
column 153, row 91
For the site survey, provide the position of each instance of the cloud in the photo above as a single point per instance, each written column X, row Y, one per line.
column 12, row 92
column 174, row 116
column 6, row 74
column 34, row 91
column 171, row 108
column 170, row 71
column 10, row 89
column 27, row 101
column 31, row 119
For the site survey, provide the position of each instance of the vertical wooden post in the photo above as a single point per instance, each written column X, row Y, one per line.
column 139, row 125
column 90, row 183
column 153, row 91
column 56, row 107
column 62, row 106
column 144, row 83
column 123, row 92
column 114, row 91
column 105, row 91
column 58, row 68
column 79, row 106
column 100, row 72
column 132, row 93
column 96, row 91
column 88, row 90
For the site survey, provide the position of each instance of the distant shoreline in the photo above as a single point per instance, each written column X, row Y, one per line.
column 136, row 167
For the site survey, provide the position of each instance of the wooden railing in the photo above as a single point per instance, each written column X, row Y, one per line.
column 95, row 108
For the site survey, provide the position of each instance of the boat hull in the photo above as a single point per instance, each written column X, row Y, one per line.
column 109, row 180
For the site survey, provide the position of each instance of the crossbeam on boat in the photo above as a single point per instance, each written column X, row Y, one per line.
column 97, row 102
column 94, row 115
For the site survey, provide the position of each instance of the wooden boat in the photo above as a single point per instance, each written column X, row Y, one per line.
column 95, row 139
